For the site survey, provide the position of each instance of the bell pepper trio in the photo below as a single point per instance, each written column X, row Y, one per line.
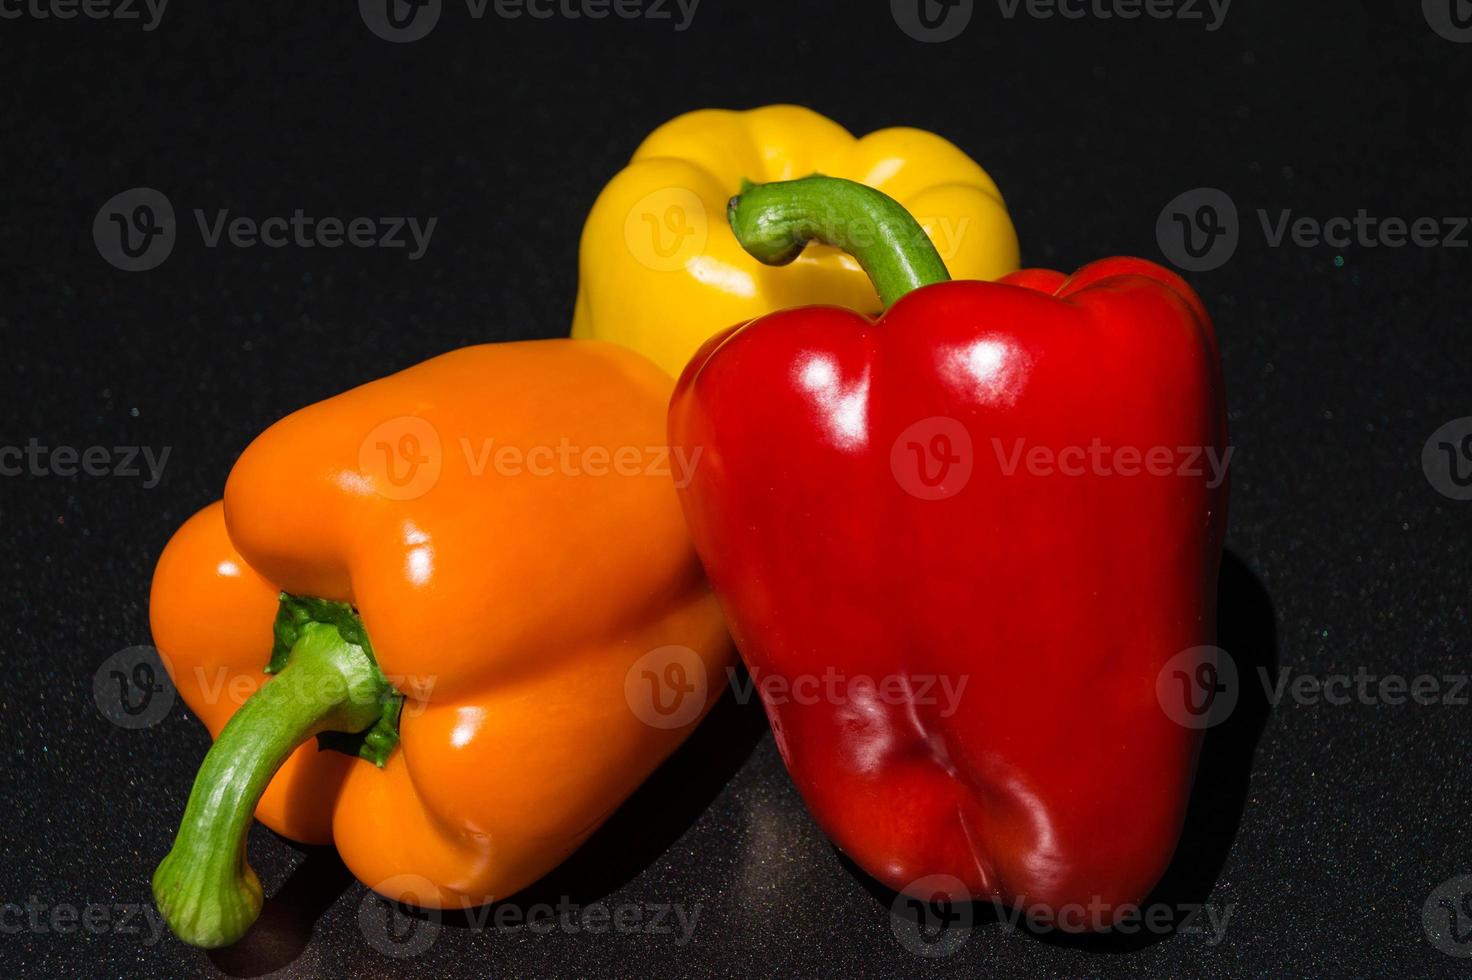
column 455, row 577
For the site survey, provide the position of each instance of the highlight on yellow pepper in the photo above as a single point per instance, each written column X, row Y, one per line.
column 660, row 271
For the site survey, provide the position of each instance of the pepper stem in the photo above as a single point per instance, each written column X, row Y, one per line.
column 775, row 221
column 204, row 888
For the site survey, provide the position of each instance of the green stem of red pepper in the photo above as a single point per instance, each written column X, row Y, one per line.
column 774, row 222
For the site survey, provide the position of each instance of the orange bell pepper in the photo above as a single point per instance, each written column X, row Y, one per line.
column 465, row 564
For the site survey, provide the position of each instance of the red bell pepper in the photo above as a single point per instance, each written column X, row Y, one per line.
column 960, row 544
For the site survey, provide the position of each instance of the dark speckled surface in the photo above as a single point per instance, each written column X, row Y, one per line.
column 1319, row 831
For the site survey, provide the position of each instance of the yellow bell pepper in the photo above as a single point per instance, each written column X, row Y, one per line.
column 660, row 271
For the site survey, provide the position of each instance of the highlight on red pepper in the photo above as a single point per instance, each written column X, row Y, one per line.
column 451, row 574
column 994, row 490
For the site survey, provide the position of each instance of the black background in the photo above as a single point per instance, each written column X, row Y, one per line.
column 1323, row 828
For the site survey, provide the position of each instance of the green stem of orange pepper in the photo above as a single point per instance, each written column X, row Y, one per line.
column 205, row 888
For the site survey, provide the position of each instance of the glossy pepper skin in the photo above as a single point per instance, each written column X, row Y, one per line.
column 660, row 271
column 505, row 591
column 844, row 532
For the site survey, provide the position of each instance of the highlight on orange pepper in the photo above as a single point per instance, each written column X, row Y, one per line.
column 462, row 576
